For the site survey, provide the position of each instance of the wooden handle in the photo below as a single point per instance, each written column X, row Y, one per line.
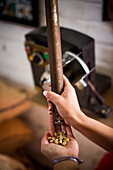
column 54, row 48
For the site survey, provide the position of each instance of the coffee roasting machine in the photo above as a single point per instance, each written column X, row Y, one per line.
column 78, row 60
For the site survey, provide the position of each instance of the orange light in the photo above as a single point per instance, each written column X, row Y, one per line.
column 31, row 58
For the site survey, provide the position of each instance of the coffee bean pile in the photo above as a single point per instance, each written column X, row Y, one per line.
column 59, row 138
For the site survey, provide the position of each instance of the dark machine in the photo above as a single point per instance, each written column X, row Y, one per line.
column 78, row 60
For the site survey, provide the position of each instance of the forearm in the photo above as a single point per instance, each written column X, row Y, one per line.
column 67, row 165
column 96, row 131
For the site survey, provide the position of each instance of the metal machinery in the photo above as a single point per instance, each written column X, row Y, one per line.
column 78, row 58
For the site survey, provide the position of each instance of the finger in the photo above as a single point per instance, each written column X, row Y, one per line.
column 66, row 82
column 48, row 100
column 53, row 97
column 50, row 113
column 51, row 126
column 45, row 139
column 58, row 128
column 50, row 106
column 68, row 88
column 67, row 123
column 69, row 132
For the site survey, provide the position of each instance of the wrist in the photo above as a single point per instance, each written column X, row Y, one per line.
column 78, row 120
column 66, row 158
column 67, row 164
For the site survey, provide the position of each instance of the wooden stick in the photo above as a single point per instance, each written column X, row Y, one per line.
column 54, row 46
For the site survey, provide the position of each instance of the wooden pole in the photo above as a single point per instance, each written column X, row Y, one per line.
column 55, row 53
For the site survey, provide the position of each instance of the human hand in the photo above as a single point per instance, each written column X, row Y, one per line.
column 52, row 150
column 66, row 104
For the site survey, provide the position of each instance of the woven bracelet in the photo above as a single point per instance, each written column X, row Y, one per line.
column 63, row 158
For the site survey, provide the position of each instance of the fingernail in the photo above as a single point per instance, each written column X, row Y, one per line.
column 49, row 85
column 50, row 113
column 45, row 93
column 49, row 108
column 48, row 100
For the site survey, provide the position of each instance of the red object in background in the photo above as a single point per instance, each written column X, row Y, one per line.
column 27, row 50
column 106, row 163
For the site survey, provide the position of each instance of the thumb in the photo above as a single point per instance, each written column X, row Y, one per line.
column 45, row 139
column 52, row 96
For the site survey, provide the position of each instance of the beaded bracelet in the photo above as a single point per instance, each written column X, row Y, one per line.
column 63, row 158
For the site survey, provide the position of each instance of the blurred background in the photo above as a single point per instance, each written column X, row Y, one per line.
column 23, row 110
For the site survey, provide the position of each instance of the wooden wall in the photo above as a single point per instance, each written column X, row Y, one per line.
column 84, row 16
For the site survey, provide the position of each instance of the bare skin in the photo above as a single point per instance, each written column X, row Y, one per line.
column 51, row 150
column 68, row 107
